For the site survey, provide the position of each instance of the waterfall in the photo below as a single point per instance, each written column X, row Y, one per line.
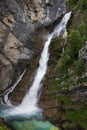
column 5, row 94
column 29, row 106
column 32, row 94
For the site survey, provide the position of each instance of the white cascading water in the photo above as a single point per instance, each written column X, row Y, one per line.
column 6, row 93
column 29, row 106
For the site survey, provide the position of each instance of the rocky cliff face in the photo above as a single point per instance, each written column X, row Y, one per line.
column 19, row 21
column 64, row 97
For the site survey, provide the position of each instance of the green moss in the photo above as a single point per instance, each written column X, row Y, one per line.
column 79, row 117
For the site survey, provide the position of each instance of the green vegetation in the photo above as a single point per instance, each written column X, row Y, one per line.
column 81, row 80
column 83, row 5
column 76, row 40
column 4, row 128
column 77, row 5
column 68, row 74
column 70, row 64
column 75, row 111
column 72, row 4
column 79, row 67
column 79, row 117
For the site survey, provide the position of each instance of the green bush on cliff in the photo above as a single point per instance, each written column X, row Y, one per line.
column 79, row 117
column 1, row 128
column 79, row 67
column 4, row 128
column 76, row 40
column 72, row 4
column 82, row 27
column 77, row 5
column 83, row 5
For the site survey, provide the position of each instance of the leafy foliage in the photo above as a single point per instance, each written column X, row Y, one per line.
column 76, row 40
column 83, row 5
column 78, row 116
column 79, row 67
column 4, row 128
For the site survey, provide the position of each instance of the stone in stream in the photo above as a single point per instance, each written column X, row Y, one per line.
column 33, row 125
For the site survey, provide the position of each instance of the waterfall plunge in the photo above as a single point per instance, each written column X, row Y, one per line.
column 29, row 106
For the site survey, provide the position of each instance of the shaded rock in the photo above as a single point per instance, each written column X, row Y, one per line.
column 4, row 32
column 6, row 72
column 50, row 109
column 83, row 55
column 15, row 50
column 1, row 121
column 72, row 126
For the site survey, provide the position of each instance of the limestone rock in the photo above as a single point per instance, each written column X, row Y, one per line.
column 19, row 38
column 44, row 11
column 15, row 50
column 23, row 17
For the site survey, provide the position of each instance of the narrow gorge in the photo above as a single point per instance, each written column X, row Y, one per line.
column 54, row 96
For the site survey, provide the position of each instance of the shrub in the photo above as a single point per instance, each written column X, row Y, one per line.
column 76, row 40
column 83, row 5
column 4, row 128
column 79, row 67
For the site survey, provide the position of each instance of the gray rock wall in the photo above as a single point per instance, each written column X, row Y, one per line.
column 18, row 21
